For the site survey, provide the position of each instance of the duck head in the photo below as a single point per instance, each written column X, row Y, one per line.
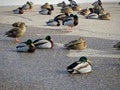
column 29, row 41
column 83, row 59
column 48, row 38
column 75, row 16
column 31, row 45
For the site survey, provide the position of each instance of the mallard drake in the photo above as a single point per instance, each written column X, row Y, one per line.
column 27, row 46
column 45, row 43
column 17, row 24
column 92, row 16
column 117, row 46
column 79, row 44
column 16, row 32
column 106, row 16
column 53, row 22
column 45, row 12
column 81, row 66
column 28, row 6
column 18, row 11
column 71, row 21
column 84, row 12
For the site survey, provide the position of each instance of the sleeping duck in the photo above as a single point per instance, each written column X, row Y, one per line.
column 47, row 6
column 92, row 15
column 28, row 6
column 18, row 11
column 16, row 32
column 117, row 46
column 81, row 66
column 106, row 16
column 53, row 22
column 66, row 10
column 27, row 46
column 84, row 12
column 45, row 43
column 45, row 12
column 71, row 21
column 76, row 8
column 79, row 44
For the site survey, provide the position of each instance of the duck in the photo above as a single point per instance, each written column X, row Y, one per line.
column 79, row 44
column 92, row 15
column 117, row 46
column 82, row 66
column 45, row 12
column 76, row 8
column 47, row 6
column 53, row 22
column 27, row 46
column 45, row 43
column 84, row 12
column 18, row 11
column 28, row 6
column 66, row 10
column 71, row 21
column 106, row 16
column 16, row 32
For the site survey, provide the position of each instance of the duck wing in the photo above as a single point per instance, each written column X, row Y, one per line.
column 61, row 17
column 40, row 42
column 70, row 67
column 13, row 32
column 37, row 40
column 71, row 43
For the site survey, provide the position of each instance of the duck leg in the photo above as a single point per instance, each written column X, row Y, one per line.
column 17, row 40
column 70, row 28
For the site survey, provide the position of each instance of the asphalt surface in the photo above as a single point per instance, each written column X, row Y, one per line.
column 46, row 69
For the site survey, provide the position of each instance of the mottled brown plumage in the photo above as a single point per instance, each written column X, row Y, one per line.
column 79, row 44
column 106, row 16
column 16, row 32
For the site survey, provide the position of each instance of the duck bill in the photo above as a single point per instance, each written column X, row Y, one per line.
column 89, row 62
column 32, row 45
